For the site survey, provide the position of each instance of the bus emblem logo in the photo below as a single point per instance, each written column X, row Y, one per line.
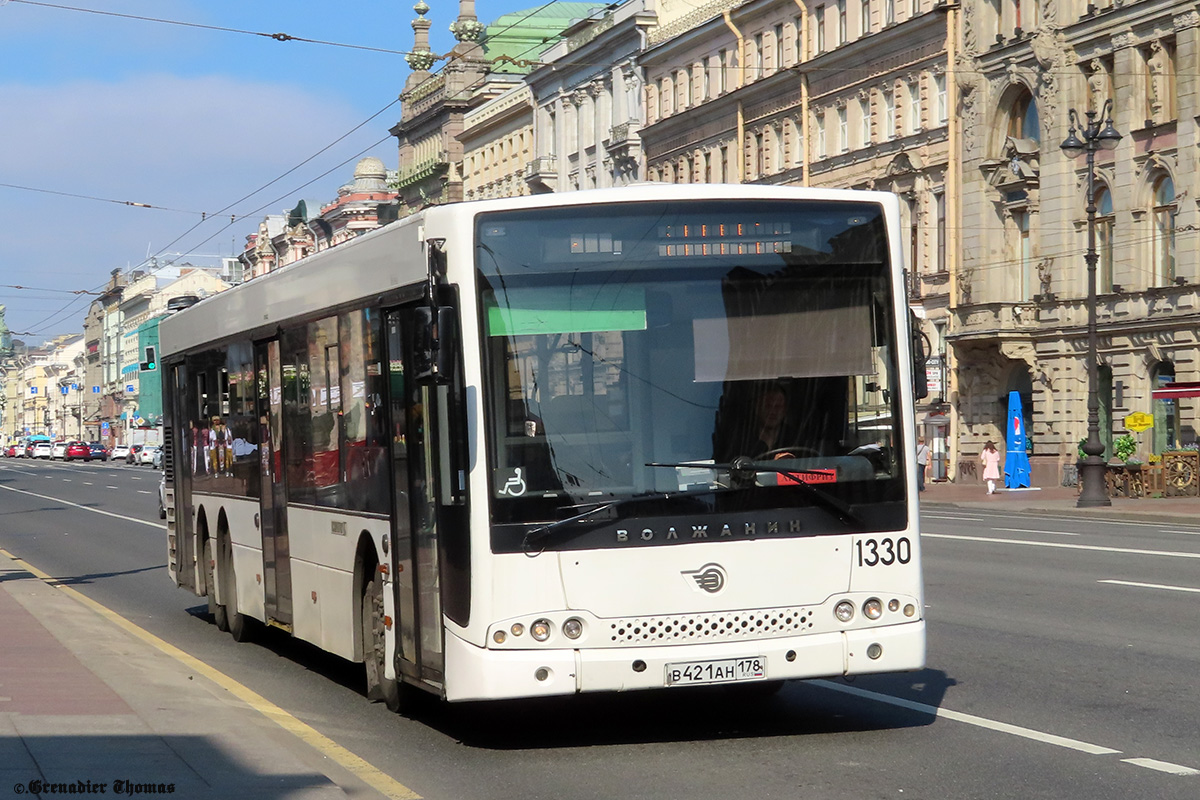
column 710, row 577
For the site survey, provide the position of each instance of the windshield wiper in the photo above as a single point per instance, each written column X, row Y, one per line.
column 599, row 512
column 742, row 470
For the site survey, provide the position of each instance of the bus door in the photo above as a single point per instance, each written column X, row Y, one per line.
column 277, row 569
column 414, row 432
column 180, row 529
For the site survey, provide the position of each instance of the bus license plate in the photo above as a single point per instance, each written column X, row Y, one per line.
column 725, row 670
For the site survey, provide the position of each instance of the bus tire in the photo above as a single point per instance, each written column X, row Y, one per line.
column 379, row 686
column 241, row 627
column 215, row 609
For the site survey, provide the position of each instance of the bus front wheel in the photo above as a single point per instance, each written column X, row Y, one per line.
column 379, row 686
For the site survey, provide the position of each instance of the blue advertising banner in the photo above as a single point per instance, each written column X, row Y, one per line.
column 1016, row 459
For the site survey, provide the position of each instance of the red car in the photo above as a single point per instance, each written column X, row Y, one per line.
column 11, row 451
column 78, row 450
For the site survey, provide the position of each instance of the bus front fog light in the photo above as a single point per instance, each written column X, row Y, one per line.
column 874, row 651
column 540, row 630
column 909, row 610
column 499, row 636
column 517, row 629
column 873, row 608
column 542, row 673
column 572, row 628
column 893, row 605
column 844, row 611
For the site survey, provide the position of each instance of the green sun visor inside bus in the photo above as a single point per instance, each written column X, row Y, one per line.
column 567, row 309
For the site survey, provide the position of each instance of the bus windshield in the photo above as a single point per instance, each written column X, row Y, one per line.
column 688, row 350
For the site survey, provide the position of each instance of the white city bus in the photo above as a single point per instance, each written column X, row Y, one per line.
column 605, row 440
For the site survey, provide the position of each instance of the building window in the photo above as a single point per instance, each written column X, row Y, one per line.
column 798, row 55
column 1023, row 118
column 820, row 136
column 1166, row 423
column 758, row 55
column 725, row 176
column 778, row 65
column 914, row 107
column 914, row 8
column 864, row 121
column 889, row 12
column 1165, row 210
column 708, row 176
column 722, row 71
column 760, row 156
column 939, row 210
column 864, row 18
column 1104, row 239
column 843, row 130
column 889, row 116
column 939, row 82
column 1024, row 253
column 841, row 22
column 820, row 26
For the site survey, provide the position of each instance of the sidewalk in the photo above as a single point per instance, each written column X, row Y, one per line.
column 1060, row 500
column 85, row 700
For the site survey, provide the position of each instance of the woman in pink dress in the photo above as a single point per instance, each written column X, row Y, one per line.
column 991, row 465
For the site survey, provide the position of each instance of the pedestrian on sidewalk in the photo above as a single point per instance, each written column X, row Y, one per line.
column 922, row 462
column 991, row 465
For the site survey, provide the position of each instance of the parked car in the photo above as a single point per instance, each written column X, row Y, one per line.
column 11, row 450
column 135, row 452
column 119, row 452
column 78, row 450
column 149, row 455
column 59, row 451
column 42, row 450
column 98, row 450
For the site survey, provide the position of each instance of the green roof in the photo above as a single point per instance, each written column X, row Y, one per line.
column 523, row 35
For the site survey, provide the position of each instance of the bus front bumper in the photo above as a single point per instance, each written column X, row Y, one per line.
column 476, row 673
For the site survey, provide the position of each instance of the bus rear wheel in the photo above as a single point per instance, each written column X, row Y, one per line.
column 379, row 686
column 215, row 609
column 241, row 627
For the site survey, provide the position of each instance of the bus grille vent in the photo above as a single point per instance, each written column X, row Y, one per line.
column 720, row 626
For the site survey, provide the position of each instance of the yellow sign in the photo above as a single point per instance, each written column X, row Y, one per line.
column 1139, row 421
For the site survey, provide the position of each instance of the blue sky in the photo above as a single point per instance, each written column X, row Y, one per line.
column 186, row 119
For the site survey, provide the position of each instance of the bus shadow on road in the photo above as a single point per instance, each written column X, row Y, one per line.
column 800, row 708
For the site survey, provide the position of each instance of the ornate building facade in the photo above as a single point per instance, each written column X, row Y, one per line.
column 1021, row 317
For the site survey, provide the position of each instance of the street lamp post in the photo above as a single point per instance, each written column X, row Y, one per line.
column 1090, row 138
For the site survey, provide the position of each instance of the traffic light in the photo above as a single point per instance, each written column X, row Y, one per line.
column 151, row 361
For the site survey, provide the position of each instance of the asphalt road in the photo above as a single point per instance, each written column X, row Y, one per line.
column 1063, row 663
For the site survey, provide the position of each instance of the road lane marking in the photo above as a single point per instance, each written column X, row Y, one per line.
column 1161, row 766
column 86, row 508
column 1063, row 545
column 971, row 719
column 1031, row 530
column 1185, row 533
column 87, row 483
column 933, row 515
column 359, row 767
column 1004, row 727
column 1151, row 586
column 143, row 491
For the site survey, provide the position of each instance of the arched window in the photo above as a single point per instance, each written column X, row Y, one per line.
column 1166, row 431
column 1165, row 210
column 1023, row 118
column 1104, row 239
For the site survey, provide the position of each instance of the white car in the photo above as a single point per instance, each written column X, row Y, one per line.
column 43, row 450
column 149, row 455
column 59, row 451
column 119, row 452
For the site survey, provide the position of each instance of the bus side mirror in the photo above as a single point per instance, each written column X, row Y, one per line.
column 919, row 356
column 434, row 348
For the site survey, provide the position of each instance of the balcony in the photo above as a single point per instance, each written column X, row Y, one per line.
column 542, row 173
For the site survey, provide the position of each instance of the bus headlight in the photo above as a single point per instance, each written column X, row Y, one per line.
column 540, row 630
column 844, row 611
column 873, row 608
column 572, row 628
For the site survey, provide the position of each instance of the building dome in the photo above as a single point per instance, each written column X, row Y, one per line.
column 370, row 168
